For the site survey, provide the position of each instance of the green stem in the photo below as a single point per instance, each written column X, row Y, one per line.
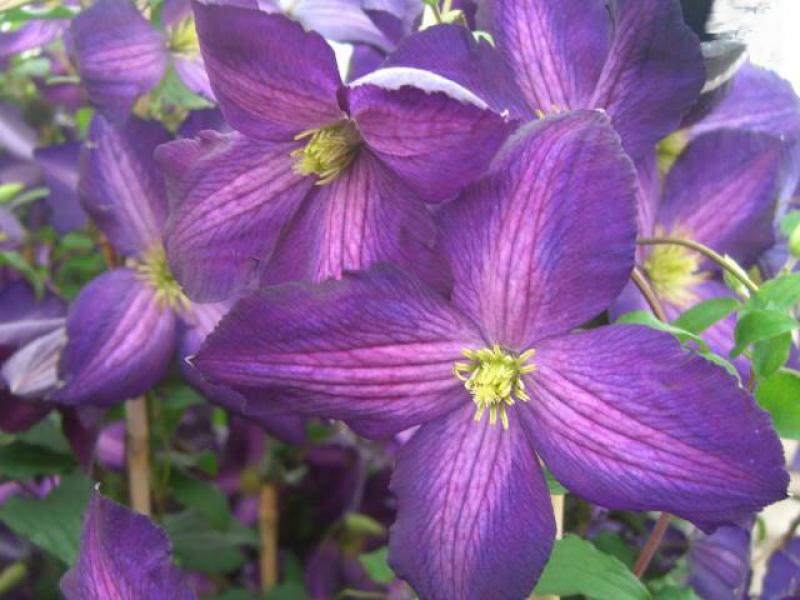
column 705, row 251
column 12, row 576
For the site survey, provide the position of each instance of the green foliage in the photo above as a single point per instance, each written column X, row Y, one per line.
column 703, row 315
column 376, row 565
column 577, row 567
column 779, row 395
column 204, row 497
column 759, row 325
column 23, row 461
column 53, row 523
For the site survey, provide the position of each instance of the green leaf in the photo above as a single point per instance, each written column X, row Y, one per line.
column 790, row 222
column 53, row 523
column 770, row 355
column 676, row 593
column 207, row 498
column 9, row 190
column 23, row 461
column 781, row 293
column 23, row 14
column 172, row 91
column 577, row 567
column 362, row 524
column 554, row 485
column 779, row 395
column 290, row 590
column 703, row 315
column 757, row 325
column 34, row 276
column 376, row 565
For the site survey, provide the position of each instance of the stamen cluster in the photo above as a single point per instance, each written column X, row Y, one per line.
column 328, row 152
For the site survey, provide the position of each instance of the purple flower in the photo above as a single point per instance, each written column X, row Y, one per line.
column 783, row 573
column 59, row 166
column 344, row 166
column 719, row 564
column 123, row 555
column 623, row 415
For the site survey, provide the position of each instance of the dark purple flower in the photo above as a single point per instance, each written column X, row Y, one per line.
column 719, row 564
column 344, row 166
column 124, row 556
column 782, row 580
column 623, row 415
column 32, row 34
column 59, row 166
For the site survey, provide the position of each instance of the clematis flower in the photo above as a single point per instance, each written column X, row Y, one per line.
column 338, row 171
column 783, row 573
column 719, row 564
column 624, row 416
column 723, row 191
column 120, row 55
column 123, row 555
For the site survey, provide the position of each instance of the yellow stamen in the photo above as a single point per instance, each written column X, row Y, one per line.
column 328, row 152
column 494, row 378
column 153, row 268
column 183, row 38
column 674, row 271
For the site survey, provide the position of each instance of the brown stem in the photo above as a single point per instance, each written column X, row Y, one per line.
column 138, row 454
column 268, row 534
column 651, row 545
column 649, row 294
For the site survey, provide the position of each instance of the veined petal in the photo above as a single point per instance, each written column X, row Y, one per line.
column 474, row 517
column 120, row 340
column 628, row 419
column 230, row 195
column 757, row 100
column 272, row 79
column 453, row 52
column 435, row 134
column 723, row 191
column 364, row 216
column 32, row 371
column 193, row 74
column 23, row 317
column 124, row 556
column 566, row 261
column 17, row 415
column 120, row 186
column 59, row 165
column 556, row 49
column 719, row 564
column 119, row 54
column 653, row 74
column 377, row 346
column 341, row 21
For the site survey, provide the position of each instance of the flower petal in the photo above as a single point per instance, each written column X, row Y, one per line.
column 571, row 255
column 17, row 415
column 120, row 186
column 653, row 74
column 722, row 192
column 757, row 100
column 119, row 55
column 365, row 216
column 474, row 517
column 628, row 419
column 23, row 317
column 32, row 371
column 435, row 134
column 120, row 340
column 230, row 195
column 375, row 346
column 719, row 564
column 59, row 165
column 340, row 20
column 272, row 79
column 123, row 555
column 192, row 73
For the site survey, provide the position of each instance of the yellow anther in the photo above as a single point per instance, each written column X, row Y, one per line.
column 153, row 268
column 494, row 378
column 674, row 271
column 328, row 152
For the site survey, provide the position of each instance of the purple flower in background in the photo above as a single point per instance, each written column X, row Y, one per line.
column 124, row 556
column 623, row 415
column 59, row 167
column 345, row 167
column 719, row 564
column 783, row 573
column 120, row 55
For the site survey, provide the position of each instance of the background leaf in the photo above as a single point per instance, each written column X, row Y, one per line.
column 779, row 395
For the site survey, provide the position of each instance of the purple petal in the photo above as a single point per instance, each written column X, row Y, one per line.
column 719, row 564
column 120, row 185
column 12, row 234
column 437, row 136
column 119, row 54
column 17, row 415
column 230, row 195
column 59, row 165
column 722, row 192
column 23, row 317
column 474, row 517
column 32, row 371
column 200, row 120
column 32, row 34
column 124, row 556
column 757, row 100
column 653, row 73
column 81, row 427
column 192, row 73
column 364, row 60
column 120, row 340
column 340, row 20
column 628, row 419
column 452, row 52
column 375, row 348
column 110, row 448
column 272, row 79
column 364, row 216
column 783, row 573
column 524, row 279
column 16, row 136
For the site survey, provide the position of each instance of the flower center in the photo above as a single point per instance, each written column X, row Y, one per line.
column 674, row 270
column 328, row 152
column 154, row 269
column 494, row 378
column 183, row 38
